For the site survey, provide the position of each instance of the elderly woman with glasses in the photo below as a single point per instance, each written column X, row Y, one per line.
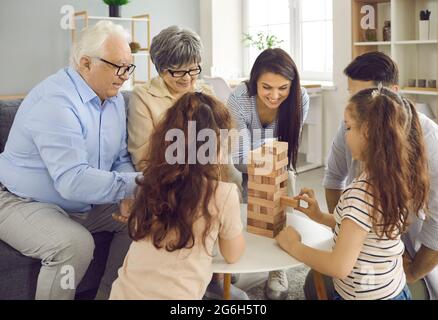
column 176, row 54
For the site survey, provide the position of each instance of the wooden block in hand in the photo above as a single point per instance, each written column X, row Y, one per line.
column 289, row 202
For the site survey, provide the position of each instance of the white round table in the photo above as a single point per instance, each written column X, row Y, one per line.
column 264, row 254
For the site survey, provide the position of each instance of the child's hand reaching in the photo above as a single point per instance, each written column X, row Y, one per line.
column 312, row 210
column 288, row 238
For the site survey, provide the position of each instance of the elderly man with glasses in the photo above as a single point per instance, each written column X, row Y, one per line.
column 65, row 167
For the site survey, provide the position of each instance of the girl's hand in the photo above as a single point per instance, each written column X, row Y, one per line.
column 312, row 210
column 288, row 238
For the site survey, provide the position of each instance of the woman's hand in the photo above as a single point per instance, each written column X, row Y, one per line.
column 312, row 210
column 288, row 238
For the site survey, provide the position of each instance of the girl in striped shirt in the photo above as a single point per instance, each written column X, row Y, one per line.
column 384, row 134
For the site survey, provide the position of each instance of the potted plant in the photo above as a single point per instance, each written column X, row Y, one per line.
column 114, row 6
column 424, row 26
column 261, row 41
column 135, row 46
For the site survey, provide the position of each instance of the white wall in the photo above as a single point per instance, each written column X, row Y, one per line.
column 221, row 33
column 33, row 44
column 335, row 101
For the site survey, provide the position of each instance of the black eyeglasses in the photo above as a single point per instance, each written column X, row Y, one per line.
column 121, row 70
column 182, row 73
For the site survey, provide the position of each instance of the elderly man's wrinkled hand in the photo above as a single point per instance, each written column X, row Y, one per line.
column 288, row 239
column 125, row 207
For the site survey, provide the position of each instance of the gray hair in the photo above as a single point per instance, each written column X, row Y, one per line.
column 91, row 40
column 174, row 47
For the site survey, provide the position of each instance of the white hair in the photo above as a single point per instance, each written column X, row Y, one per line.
column 91, row 39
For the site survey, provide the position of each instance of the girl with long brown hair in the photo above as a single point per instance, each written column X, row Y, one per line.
column 181, row 207
column 383, row 132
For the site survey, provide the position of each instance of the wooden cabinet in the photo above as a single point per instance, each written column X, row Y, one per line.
column 416, row 57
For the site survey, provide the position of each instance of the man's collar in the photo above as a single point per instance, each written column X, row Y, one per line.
column 85, row 92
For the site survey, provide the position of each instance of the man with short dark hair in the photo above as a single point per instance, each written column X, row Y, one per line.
column 421, row 240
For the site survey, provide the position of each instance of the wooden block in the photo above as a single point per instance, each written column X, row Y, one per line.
column 259, row 224
column 282, row 156
column 275, row 196
column 258, row 179
column 264, row 232
column 273, row 211
column 281, row 164
column 262, row 187
column 275, row 147
column 289, row 202
column 263, row 202
column 268, row 180
column 260, row 231
column 280, row 179
column 272, row 174
column 266, row 218
column 261, row 194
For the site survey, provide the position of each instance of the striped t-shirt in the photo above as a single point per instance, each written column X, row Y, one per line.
column 378, row 272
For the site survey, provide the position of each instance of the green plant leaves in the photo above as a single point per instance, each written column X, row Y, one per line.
column 116, row 2
column 261, row 41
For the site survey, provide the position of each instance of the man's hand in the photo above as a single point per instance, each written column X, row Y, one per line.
column 288, row 238
column 424, row 261
column 125, row 207
column 332, row 197
column 407, row 266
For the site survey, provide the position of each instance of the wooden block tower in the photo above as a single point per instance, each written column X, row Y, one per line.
column 267, row 189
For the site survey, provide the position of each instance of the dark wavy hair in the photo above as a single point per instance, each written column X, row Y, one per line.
column 169, row 196
column 395, row 160
column 290, row 115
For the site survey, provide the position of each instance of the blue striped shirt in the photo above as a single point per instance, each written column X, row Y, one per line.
column 67, row 148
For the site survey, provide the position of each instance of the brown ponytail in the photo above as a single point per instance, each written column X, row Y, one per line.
column 395, row 158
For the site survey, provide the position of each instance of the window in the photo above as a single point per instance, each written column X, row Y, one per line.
column 306, row 28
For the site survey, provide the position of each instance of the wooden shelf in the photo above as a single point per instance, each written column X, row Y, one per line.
column 114, row 18
column 373, row 43
column 411, row 42
column 13, row 97
column 373, row 1
column 420, row 91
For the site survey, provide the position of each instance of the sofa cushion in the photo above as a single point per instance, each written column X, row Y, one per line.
column 8, row 109
column 19, row 274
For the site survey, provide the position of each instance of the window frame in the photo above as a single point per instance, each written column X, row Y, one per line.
column 296, row 42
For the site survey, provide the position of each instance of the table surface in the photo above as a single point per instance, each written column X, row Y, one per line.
column 263, row 254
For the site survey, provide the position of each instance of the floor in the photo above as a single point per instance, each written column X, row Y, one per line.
column 309, row 179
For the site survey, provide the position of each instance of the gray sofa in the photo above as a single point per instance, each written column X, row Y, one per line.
column 18, row 274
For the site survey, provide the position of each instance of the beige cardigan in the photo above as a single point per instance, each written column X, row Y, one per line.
column 147, row 105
